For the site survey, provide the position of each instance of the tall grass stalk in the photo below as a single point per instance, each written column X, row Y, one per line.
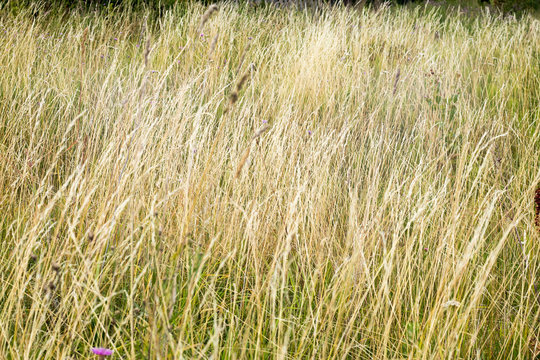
column 343, row 183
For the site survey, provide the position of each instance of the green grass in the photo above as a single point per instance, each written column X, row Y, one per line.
column 366, row 192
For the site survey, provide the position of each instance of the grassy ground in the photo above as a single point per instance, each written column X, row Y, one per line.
column 269, row 184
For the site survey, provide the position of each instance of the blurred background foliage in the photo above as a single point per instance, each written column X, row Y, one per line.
column 505, row 6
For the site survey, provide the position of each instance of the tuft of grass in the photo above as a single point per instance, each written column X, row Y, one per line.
column 388, row 211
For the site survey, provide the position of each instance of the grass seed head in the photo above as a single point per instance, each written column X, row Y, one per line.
column 212, row 9
column 537, row 208
column 242, row 162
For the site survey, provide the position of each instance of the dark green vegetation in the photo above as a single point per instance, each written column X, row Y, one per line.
column 517, row 6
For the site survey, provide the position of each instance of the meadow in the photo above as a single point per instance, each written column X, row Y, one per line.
column 269, row 182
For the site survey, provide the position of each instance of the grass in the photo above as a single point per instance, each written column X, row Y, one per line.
column 282, row 183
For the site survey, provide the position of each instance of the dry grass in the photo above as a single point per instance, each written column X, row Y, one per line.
column 365, row 191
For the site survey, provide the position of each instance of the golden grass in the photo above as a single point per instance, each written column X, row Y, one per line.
column 307, row 184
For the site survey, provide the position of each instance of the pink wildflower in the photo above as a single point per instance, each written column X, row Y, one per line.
column 102, row 352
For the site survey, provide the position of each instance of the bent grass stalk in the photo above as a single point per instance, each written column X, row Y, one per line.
column 391, row 212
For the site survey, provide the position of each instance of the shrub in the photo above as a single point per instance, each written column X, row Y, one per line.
column 515, row 5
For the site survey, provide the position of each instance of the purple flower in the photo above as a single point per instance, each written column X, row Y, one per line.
column 309, row 132
column 102, row 352
column 265, row 121
column 249, row 38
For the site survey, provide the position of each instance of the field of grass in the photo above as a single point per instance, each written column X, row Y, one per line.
column 263, row 182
